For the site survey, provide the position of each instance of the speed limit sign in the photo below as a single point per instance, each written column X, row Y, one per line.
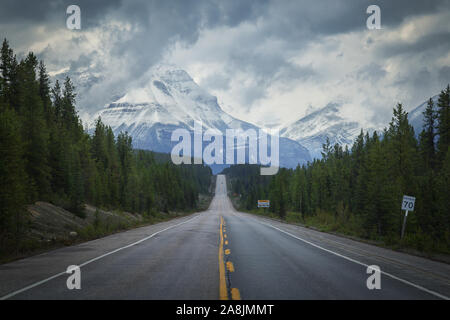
column 408, row 203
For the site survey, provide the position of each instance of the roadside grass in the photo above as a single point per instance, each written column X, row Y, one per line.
column 101, row 224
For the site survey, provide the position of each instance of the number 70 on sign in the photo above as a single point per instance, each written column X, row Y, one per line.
column 408, row 203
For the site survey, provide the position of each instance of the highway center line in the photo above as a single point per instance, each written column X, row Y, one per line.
column 12, row 294
column 235, row 294
column 223, row 294
column 358, row 262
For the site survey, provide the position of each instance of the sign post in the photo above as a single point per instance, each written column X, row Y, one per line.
column 407, row 205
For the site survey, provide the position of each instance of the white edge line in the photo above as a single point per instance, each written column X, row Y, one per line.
column 360, row 263
column 12, row 294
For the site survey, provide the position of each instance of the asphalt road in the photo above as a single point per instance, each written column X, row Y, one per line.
column 224, row 254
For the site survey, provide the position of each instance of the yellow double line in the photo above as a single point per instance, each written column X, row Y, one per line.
column 223, row 292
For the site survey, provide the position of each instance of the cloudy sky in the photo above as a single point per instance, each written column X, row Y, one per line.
column 268, row 62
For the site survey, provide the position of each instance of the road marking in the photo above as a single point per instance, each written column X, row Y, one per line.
column 12, row 294
column 226, row 242
column 235, row 294
column 223, row 294
column 230, row 266
column 360, row 263
column 227, row 251
column 225, row 236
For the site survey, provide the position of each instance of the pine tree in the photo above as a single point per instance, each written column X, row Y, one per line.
column 326, row 149
column 380, row 195
column 125, row 157
column 57, row 101
column 68, row 112
column 12, row 180
column 428, row 134
column 403, row 147
column 44, row 91
column 442, row 187
column 76, row 186
column 443, row 127
column 34, row 130
column 5, row 70
column 356, row 184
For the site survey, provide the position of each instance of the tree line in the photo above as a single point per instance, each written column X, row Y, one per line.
column 358, row 190
column 46, row 155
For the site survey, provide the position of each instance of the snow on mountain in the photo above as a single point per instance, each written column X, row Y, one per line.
column 170, row 99
column 313, row 130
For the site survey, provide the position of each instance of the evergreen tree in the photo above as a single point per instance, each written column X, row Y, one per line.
column 6, row 60
column 428, row 134
column 34, row 131
column 44, row 91
column 57, row 101
column 403, row 148
column 12, row 180
column 443, row 127
column 68, row 112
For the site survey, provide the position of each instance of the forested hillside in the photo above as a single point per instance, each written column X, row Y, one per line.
column 359, row 191
column 46, row 155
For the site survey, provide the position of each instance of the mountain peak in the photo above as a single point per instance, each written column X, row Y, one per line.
column 169, row 99
column 327, row 122
column 170, row 72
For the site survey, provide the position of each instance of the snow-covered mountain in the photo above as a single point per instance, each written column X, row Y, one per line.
column 169, row 99
column 313, row 130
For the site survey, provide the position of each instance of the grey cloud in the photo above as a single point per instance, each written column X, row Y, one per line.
column 252, row 95
column 83, row 61
column 157, row 25
column 444, row 74
column 232, row 13
column 418, row 84
column 422, row 78
column 371, row 72
column 265, row 70
column 434, row 43
column 299, row 19
column 217, row 81
column 28, row 12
